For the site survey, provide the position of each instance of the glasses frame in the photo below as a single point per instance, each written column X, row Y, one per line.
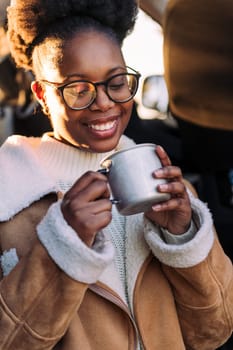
column 61, row 88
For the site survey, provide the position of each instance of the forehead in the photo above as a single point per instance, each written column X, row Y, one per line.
column 83, row 54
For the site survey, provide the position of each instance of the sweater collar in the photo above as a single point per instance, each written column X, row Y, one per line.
column 32, row 167
column 65, row 163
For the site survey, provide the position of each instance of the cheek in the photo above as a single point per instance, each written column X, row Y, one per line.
column 55, row 103
column 128, row 108
column 56, row 109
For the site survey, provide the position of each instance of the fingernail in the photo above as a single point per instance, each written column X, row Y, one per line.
column 159, row 172
column 156, row 207
column 163, row 187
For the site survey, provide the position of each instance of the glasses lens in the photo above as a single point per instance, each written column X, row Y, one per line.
column 79, row 95
column 122, row 87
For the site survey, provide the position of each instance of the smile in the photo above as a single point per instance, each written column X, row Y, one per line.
column 102, row 126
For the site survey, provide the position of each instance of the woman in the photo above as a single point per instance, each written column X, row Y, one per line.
column 77, row 274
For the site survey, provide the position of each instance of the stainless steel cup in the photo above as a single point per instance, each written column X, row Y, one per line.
column 130, row 177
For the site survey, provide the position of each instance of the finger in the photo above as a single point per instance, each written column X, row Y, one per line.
column 95, row 207
column 96, row 189
column 83, row 217
column 165, row 160
column 102, row 219
column 101, row 205
column 174, row 188
column 94, row 222
column 171, row 204
column 169, row 172
column 84, row 181
column 87, row 224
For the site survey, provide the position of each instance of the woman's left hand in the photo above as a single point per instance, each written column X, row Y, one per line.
column 174, row 214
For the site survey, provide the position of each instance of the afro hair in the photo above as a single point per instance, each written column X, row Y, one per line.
column 29, row 20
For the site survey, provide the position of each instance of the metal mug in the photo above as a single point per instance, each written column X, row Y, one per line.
column 129, row 173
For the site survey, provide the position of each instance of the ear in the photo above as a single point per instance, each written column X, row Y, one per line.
column 38, row 91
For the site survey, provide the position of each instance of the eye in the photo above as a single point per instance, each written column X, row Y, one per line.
column 117, row 82
column 79, row 90
column 82, row 91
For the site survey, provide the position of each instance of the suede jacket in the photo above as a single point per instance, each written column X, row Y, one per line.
column 178, row 297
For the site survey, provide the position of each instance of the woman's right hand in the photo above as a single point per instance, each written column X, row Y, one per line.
column 86, row 206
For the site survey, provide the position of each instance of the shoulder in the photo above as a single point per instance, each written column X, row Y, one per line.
column 22, row 177
column 19, row 143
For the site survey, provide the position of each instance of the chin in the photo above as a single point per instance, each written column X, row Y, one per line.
column 104, row 146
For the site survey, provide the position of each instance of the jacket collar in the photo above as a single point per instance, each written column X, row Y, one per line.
column 19, row 164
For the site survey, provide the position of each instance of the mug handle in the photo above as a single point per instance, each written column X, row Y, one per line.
column 105, row 171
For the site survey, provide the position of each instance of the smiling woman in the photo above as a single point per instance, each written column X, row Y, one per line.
column 75, row 118
column 75, row 273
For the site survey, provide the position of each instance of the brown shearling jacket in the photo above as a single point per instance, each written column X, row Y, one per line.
column 185, row 308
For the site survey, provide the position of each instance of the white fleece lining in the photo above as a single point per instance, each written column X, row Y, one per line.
column 110, row 277
column 8, row 260
column 19, row 160
column 137, row 250
column 187, row 254
column 69, row 252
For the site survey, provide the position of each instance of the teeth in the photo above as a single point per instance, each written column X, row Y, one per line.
column 102, row 127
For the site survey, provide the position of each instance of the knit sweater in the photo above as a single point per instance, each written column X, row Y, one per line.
column 44, row 165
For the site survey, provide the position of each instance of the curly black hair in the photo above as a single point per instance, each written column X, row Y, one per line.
column 30, row 22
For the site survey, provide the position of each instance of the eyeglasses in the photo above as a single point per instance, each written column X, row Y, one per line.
column 80, row 94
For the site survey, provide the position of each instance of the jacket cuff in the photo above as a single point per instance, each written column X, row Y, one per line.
column 189, row 253
column 69, row 252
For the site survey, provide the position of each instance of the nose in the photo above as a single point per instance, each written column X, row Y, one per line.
column 102, row 101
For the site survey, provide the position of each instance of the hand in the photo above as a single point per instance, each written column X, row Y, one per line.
column 86, row 206
column 174, row 214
